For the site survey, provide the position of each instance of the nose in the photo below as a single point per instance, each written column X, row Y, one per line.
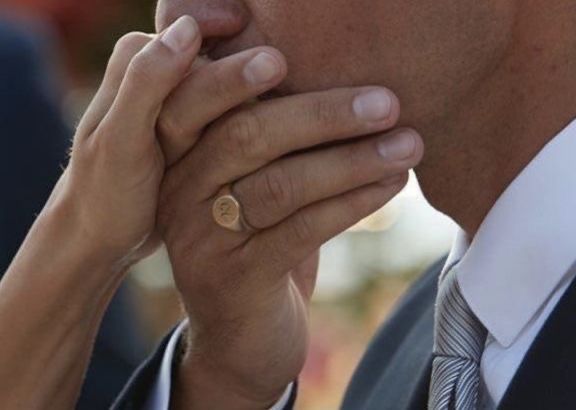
column 217, row 19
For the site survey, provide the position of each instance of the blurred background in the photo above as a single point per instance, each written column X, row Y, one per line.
column 52, row 57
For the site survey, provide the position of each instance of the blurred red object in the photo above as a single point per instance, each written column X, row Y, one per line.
column 71, row 17
column 78, row 29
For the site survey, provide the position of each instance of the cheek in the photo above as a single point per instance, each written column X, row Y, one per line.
column 436, row 56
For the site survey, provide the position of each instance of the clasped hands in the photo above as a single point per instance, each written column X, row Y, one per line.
column 165, row 133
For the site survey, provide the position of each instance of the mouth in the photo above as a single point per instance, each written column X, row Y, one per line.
column 208, row 47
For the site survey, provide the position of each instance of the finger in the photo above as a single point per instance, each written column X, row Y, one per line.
column 277, row 191
column 126, row 48
column 286, row 245
column 249, row 139
column 151, row 76
column 213, row 90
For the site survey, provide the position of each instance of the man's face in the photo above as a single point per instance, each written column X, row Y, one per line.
column 432, row 53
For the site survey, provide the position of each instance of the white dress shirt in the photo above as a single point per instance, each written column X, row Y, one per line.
column 512, row 274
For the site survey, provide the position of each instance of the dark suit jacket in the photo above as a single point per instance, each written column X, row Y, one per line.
column 395, row 371
column 34, row 140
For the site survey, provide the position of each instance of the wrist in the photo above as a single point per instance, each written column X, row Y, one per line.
column 53, row 297
column 62, row 228
column 58, row 255
column 199, row 385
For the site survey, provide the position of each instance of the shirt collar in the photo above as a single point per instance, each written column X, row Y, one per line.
column 525, row 244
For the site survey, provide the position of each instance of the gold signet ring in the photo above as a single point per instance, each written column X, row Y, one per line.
column 227, row 211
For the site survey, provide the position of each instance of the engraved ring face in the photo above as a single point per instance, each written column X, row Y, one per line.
column 226, row 213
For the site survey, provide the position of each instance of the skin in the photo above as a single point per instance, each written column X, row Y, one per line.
column 486, row 84
column 142, row 161
column 470, row 75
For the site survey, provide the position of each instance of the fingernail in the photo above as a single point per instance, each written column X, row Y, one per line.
column 261, row 69
column 181, row 34
column 399, row 146
column 374, row 105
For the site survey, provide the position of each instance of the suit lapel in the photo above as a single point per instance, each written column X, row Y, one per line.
column 546, row 377
column 420, row 398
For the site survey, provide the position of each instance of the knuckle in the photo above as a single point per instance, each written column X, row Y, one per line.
column 324, row 111
column 354, row 160
column 84, row 154
column 141, row 68
column 124, row 50
column 169, row 126
column 130, row 43
column 101, row 142
column 243, row 135
column 220, row 85
column 302, row 227
column 277, row 188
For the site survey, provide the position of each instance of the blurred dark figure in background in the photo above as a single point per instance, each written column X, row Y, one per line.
column 34, row 137
column 33, row 147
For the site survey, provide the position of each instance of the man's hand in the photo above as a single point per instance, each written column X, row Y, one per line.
column 247, row 293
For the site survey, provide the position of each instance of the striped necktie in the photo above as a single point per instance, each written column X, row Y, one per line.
column 458, row 344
